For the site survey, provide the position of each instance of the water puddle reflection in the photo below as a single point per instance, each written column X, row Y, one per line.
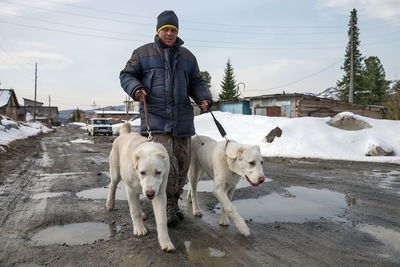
column 102, row 193
column 208, row 185
column 203, row 255
column 75, row 234
column 82, row 141
column 387, row 236
column 301, row 204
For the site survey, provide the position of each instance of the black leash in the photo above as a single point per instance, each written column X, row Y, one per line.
column 219, row 126
column 146, row 115
column 220, row 129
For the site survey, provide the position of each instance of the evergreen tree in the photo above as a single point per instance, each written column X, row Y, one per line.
column 78, row 115
column 352, row 45
column 207, row 81
column 229, row 90
column 375, row 82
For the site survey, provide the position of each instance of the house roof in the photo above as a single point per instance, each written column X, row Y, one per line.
column 115, row 112
column 5, row 95
column 30, row 100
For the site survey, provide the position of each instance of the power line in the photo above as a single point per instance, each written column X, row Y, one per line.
column 149, row 35
column 69, row 32
column 192, row 21
column 301, row 79
column 142, row 41
column 151, row 24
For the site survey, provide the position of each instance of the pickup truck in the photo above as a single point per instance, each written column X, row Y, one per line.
column 99, row 126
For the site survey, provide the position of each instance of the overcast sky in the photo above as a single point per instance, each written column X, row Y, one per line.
column 290, row 45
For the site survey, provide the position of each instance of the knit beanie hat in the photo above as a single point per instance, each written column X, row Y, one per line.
column 167, row 19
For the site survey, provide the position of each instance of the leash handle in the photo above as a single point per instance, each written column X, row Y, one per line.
column 146, row 115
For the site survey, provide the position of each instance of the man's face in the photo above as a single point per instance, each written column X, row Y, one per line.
column 168, row 35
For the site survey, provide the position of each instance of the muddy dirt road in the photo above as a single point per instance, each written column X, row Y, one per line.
column 310, row 213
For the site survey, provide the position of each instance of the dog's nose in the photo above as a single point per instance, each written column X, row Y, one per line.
column 261, row 179
column 150, row 193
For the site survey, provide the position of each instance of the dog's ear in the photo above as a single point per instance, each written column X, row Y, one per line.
column 161, row 154
column 234, row 150
column 136, row 158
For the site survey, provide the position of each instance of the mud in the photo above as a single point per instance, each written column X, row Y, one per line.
column 310, row 213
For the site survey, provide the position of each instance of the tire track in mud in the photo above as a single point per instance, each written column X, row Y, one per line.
column 24, row 177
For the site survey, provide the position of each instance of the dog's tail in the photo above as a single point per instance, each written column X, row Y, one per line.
column 125, row 129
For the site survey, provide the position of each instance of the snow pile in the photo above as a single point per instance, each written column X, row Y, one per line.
column 306, row 137
column 135, row 126
column 11, row 130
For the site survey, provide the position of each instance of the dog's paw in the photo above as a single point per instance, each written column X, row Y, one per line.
column 224, row 221
column 110, row 205
column 245, row 231
column 197, row 213
column 139, row 230
column 167, row 246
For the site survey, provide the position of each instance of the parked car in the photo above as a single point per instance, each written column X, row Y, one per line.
column 99, row 126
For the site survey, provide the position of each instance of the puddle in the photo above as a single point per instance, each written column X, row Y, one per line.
column 302, row 204
column 208, row 185
column 49, row 195
column 387, row 236
column 75, row 234
column 82, row 141
column 203, row 255
column 102, row 193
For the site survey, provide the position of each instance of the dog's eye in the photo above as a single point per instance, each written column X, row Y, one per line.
column 143, row 173
column 252, row 163
column 262, row 162
column 158, row 172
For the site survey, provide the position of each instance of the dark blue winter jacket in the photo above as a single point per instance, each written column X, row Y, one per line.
column 170, row 76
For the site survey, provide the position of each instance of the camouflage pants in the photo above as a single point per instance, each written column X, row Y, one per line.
column 179, row 154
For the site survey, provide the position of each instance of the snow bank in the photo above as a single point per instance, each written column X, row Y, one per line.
column 11, row 130
column 306, row 137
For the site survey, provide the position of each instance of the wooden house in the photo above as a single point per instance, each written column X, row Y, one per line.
column 9, row 104
column 300, row 105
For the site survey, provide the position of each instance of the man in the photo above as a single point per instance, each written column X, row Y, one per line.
column 166, row 75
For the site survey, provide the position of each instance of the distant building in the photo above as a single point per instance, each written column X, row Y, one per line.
column 9, row 104
column 115, row 115
column 29, row 102
column 131, row 105
column 41, row 111
column 300, row 105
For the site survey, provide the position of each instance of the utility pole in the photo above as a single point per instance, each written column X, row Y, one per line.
column 34, row 109
column 94, row 106
column 351, row 91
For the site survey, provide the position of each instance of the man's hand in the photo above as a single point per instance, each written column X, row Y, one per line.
column 140, row 95
column 205, row 105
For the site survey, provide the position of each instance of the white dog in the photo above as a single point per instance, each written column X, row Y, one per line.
column 226, row 162
column 144, row 167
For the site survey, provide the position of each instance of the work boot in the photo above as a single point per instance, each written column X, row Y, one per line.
column 179, row 214
column 172, row 218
